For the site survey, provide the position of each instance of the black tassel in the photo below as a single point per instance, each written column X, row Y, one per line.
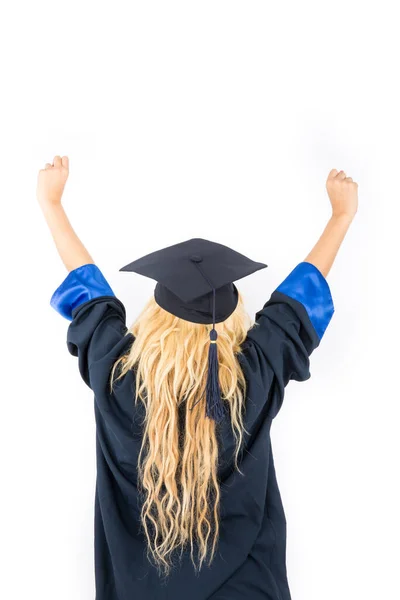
column 215, row 408
column 214, row 404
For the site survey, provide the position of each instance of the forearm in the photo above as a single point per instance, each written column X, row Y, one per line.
column 70, row 248
column 325, row 250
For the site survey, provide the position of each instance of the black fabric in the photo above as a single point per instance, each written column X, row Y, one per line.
column 199, row 310
column 190, row 270
column 250, row 560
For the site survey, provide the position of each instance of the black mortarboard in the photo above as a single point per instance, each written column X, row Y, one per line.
column 195, row 282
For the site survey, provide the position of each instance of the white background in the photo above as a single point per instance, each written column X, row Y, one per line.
column 218, row 120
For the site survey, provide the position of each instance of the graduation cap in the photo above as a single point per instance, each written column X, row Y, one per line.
column 195, row 282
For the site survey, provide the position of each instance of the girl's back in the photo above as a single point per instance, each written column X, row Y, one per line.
column 244, row 507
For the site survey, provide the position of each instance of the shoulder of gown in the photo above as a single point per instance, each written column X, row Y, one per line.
column 97, row 329
column 288, row 328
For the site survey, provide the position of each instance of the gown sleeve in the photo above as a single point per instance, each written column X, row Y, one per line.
column 288, row 328
column 97, row 317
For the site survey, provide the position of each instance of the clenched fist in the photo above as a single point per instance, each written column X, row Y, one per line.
column 51, row 181
column 343, row 194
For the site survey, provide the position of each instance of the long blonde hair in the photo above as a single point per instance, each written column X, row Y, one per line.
column 177, row 470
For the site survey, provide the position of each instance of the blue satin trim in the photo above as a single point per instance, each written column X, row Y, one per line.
column 307, row 285
column 80, row 285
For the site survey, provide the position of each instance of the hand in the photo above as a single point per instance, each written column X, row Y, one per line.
column 343, row 194
column 51, row 181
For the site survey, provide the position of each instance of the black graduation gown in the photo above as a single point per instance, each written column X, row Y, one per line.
column 250, row 559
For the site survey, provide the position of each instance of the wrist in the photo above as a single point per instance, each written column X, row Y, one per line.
column 49, row 203
column 344, row 218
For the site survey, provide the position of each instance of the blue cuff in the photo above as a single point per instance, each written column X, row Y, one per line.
column 80, row 285
column 307, row 285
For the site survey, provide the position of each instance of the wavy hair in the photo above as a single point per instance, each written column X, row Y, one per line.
column 178, row 459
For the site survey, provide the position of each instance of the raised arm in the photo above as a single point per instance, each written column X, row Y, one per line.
column 84, row 281
column 343, row 194
column 307, row 282
column 50, row 187
column 293, row 321
column 96, row 334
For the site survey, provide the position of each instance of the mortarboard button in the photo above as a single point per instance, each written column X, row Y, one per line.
column 196, row 258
